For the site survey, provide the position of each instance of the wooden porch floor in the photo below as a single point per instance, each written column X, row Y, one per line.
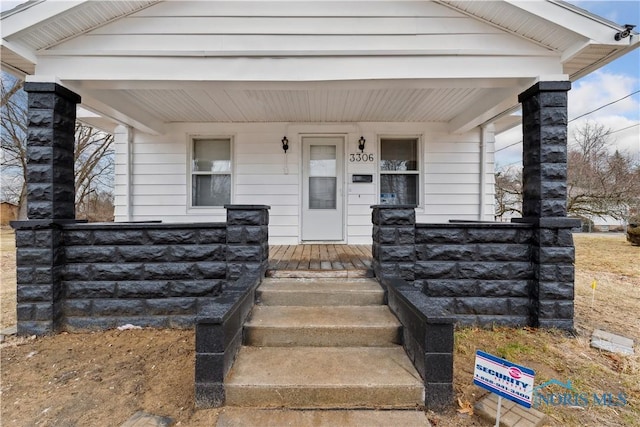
column 320, row 257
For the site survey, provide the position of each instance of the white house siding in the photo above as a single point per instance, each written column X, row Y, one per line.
column 299, row 27
column 263, row 174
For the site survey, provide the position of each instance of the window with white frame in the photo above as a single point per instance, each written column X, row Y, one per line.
column 211, row 172
column 399, row 171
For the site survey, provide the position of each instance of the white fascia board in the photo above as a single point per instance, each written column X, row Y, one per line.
column 110, row 107
column 194, row 85
column 20, row 50
column 506, row 122
column 575, row 50
column 296, row 69
column 497, row 102
column 567, row 17
column 35, row 14
column 95, row 120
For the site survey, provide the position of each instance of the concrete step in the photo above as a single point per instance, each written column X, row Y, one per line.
column 320, row 292
column 241, row 417
column 340, row 326
column 324, row 377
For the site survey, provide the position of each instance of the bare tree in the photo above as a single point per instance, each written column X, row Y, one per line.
column 600, row 183
column 508, row 193
column 93, row 153
column 94, row 165
column 13, row 116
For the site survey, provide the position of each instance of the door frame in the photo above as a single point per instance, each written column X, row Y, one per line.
column 343, row 183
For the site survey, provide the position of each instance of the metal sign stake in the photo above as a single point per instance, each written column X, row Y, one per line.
column 498, row 411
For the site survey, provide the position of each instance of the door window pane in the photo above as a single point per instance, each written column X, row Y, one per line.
column 322, row 193
column 322, row 160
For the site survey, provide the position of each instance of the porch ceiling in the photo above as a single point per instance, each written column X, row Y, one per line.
column 149, row 105
column 299, row 105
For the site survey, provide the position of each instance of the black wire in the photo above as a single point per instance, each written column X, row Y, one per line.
column 585, row 114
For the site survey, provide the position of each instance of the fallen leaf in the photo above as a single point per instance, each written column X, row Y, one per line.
column 465, row 407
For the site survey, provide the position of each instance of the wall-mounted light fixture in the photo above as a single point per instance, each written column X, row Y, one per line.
column 361, row 143
column 285, row 144
column 624, row 33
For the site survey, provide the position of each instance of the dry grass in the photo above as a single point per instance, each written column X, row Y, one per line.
column 7, row 277
column 609, row 253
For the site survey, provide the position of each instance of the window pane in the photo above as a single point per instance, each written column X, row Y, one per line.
column 399, row 154
column 212, row 155
column 322, row 160
column 322, row 193
column 399, row 189
column 211, row 190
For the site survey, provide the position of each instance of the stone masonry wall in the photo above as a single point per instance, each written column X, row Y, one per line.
column 144, row 274
column 96, row 276
column 479, row 272
column 514, row 274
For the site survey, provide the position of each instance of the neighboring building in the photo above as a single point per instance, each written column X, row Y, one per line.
column 378, row 102
column 605, row 224
column 8, row 212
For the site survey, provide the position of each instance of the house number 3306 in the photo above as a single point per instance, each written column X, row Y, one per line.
column 361, row 157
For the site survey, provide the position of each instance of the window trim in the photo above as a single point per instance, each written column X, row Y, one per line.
column 191, row 208
column 419, row 165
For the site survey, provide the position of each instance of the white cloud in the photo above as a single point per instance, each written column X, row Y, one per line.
column 586, row 95
column 601, row 88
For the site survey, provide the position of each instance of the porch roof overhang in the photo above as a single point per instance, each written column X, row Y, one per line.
column 417, row 81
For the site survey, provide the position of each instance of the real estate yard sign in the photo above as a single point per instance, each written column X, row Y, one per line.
column 504, row 378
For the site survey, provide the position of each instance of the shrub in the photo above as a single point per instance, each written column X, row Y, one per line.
column 633, row 230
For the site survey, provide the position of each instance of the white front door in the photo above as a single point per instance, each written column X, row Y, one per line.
column 322, row 199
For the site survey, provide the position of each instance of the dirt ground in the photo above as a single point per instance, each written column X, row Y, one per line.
column 101, row 379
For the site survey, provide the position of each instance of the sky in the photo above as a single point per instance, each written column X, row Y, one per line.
column 610, row 83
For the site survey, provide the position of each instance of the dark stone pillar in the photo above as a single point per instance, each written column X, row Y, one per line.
column 50, row 202
column 247, row 239
column 50, row 144
column 394, row 231
column 544, row 124
column 39, row 258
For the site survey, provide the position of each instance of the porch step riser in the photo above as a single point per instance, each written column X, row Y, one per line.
column 323, row 337
column 319, row 274
column 311, row 299
column 320, row 292
column 301, row 397
column 326, row 326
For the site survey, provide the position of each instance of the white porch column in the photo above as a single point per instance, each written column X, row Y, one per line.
column 123, row 140
column 487, row 139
